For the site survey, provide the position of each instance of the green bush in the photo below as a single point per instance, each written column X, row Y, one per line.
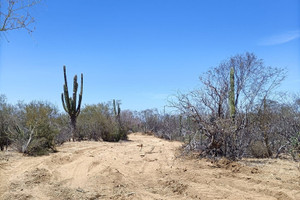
column 295, row 147
column 111, row 137
column 38, row 147
column 43, row 140
column 123, row 131
column 95, row 122
column 119, row 133
column 5, row 120
column 35, row 129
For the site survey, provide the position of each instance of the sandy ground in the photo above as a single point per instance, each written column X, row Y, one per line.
column 101, row 170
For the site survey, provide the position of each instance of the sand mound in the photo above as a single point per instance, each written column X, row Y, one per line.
column 129, row 170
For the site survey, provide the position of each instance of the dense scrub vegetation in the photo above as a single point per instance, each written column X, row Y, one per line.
column 236, row 113
column 37, row 127
column 98, row 122
column 30, row 128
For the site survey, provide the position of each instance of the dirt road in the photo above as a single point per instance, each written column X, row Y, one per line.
column 143, row 168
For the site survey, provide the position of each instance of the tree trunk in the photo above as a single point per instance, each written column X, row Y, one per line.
column 73, row 127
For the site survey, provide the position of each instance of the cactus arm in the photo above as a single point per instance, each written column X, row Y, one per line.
column 66, row 92
column 114, row 106
column 63, row 102
column 65, row 76
column 119, row 109
column 79, row 104
column 80, row 96
column 66, row 99
column 75, row 87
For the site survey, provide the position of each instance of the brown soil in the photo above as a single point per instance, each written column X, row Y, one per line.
column 125, row 170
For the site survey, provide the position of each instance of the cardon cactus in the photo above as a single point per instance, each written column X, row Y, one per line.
column 117, row 109
column 122, row 131
column 70, row 103
column 231, row 94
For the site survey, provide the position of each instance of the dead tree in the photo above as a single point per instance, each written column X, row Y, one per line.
column 208, row 106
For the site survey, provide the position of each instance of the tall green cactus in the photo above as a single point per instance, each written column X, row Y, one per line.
column 117, row 109
column 122, row 132
column 69, row 103
column 117, row 112
column 231, row 94
column 230, row 146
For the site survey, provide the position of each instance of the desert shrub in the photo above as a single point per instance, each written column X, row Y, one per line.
column 43, row 140
column 149, row 120
column 97, row 122
column 232, row 101
column 38, row 147
column 123, row 131
column 172, row 127
column 65, row 132
column 5, row 121
column 119, row 133
column 259, row 149
column 35, row 128
column 111, row 136
column 130, row 121
column 295, row 147
column 21, row 137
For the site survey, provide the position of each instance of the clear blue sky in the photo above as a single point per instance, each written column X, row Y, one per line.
column 142, row 51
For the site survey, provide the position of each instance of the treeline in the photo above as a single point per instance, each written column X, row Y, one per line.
column 36, row 128
column 236, row 113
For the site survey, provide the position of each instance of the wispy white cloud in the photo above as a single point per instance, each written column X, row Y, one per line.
column 281, row 38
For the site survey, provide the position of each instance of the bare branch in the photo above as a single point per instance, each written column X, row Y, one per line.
column 15, row 14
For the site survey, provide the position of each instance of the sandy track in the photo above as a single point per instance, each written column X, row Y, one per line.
column 100, row 170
